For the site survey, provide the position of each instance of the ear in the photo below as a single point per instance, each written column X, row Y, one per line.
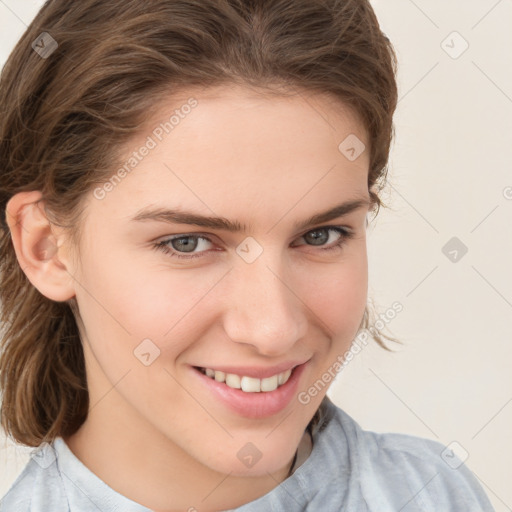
column 38, row 246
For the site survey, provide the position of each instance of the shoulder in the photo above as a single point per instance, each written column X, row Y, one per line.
column 410, row 472
column 39, row 487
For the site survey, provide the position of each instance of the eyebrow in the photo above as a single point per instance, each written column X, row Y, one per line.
column 220, row 223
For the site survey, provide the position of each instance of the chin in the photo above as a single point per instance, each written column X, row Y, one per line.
column 251, row 468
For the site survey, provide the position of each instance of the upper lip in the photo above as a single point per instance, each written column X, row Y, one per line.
column 257, row 372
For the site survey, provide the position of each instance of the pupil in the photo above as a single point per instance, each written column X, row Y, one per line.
column 317, row 239
column 188, row 246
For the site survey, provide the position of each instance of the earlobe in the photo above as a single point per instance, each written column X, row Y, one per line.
column 37, row 247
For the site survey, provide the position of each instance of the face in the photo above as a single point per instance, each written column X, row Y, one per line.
column 256, row 293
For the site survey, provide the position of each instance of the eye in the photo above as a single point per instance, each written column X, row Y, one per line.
column 184, row 246
column 319, row 236
column 183, row 243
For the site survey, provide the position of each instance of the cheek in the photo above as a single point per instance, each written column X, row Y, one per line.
column 124, row 302
column 338, row 295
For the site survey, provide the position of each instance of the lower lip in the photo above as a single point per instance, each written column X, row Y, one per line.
column 254, row 405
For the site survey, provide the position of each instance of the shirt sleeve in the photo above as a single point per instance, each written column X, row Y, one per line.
column 36, row 489
column 425, row 479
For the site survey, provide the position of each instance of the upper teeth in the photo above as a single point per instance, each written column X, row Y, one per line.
column 249, row 384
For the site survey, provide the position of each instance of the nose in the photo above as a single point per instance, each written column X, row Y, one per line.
column 262, row 309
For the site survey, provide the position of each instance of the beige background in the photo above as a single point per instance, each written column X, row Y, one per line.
column 450, row 176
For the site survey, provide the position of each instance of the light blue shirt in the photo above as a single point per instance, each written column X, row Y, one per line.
column 349, row 469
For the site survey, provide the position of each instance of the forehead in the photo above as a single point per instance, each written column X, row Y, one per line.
column 238, row 148
column 239, row 114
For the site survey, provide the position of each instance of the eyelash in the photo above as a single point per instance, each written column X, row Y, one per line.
column 338, row 245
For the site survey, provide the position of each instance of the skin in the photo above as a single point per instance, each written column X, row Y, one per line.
column 153, row 434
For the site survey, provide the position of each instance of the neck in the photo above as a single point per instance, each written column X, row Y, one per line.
column 159, row 474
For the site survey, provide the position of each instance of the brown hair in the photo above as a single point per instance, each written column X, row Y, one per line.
column 65, row 116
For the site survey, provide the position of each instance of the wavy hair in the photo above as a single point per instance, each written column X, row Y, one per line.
column 64, row 116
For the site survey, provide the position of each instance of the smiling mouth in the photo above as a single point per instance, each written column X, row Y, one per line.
column 248, row 384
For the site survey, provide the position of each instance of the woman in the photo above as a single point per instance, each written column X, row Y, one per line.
column 186, row 188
